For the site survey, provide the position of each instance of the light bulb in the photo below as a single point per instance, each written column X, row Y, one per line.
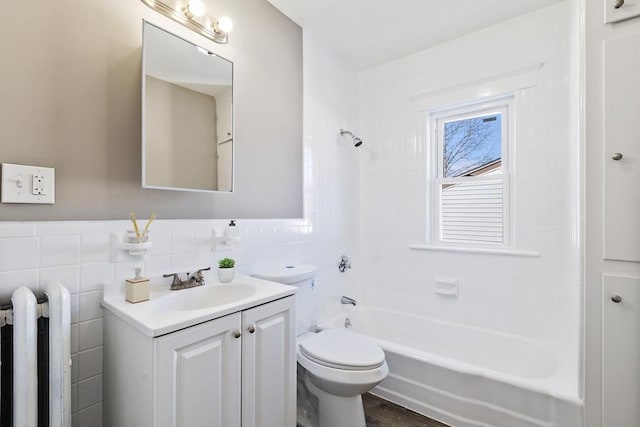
column 196, row 7
column 225, row 24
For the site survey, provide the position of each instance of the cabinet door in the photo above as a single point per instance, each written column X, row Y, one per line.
column 628, row 9
column 622, row 135
column 197, row 373
column 269, row 365
column 620, row 351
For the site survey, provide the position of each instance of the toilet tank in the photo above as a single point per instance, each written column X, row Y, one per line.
column 302, row 277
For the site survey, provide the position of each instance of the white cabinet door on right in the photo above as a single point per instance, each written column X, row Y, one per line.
column 269, row 365
column 621, row 351
column 197, row 373
column 622, row 148
column 625, row 9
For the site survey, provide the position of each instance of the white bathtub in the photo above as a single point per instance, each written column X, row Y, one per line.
column 469, row 377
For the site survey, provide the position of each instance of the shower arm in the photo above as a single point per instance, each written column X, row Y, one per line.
column 356, row 141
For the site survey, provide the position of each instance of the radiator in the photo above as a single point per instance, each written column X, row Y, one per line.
column 37, row 402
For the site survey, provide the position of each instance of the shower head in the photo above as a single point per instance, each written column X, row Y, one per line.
column 357, row 142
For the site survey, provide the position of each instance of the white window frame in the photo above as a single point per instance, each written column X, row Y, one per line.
column 504, row 106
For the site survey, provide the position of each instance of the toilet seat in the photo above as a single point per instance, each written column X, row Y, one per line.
column 344, row 381
column 341, row 349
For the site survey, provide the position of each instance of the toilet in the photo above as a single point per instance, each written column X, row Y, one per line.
column 335, row 366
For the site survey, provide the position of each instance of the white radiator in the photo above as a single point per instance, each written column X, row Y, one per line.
column 24, row 315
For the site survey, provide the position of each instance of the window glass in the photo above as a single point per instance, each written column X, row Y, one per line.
column 472, row 146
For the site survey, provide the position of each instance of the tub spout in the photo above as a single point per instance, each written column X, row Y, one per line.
column 347, row 300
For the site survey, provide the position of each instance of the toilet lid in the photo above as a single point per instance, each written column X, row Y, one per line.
column 342, row 349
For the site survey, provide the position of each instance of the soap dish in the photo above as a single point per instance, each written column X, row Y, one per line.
column 122, row 242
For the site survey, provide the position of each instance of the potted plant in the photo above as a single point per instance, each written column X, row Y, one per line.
column 226, row 269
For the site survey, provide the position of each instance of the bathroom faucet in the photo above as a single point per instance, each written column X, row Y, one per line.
column 196, row 279
column 347, row 300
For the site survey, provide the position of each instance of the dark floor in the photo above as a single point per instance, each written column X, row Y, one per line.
column 382, row 413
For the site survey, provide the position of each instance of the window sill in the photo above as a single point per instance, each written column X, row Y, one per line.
column 507, row 252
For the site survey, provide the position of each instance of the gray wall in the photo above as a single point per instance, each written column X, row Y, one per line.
column 70, row 99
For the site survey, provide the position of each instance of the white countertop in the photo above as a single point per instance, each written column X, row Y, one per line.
column 154, row 318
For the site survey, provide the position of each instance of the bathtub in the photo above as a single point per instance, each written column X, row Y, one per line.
column 469, row 377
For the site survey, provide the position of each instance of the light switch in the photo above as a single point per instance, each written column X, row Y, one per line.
column 27, row 184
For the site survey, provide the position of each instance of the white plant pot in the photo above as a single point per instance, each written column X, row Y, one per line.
column 225, row 275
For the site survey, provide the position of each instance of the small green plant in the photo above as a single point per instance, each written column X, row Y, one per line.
column 226, row 263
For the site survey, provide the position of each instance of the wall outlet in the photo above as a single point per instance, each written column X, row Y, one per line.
column 37, row 185
column 27, row 184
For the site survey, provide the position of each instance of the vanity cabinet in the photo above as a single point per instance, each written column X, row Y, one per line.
column 236, row 370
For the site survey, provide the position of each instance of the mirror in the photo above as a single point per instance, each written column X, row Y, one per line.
column 187, row 115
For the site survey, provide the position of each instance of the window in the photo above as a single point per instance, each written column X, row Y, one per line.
column 471, row 176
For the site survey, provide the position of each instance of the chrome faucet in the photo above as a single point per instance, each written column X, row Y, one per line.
column 347, row 300
column 196, row 279
column 344, row 263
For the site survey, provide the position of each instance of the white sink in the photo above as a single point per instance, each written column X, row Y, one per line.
column 204, row 297
column 168, row 311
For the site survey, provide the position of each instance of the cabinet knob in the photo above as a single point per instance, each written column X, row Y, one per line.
column 237, row 333
column 616, row 156
column 252, row 328
column 618, row 4
column 616, row 298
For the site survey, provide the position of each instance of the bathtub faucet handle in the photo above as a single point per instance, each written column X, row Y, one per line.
column 347, row 323
column 343, row 263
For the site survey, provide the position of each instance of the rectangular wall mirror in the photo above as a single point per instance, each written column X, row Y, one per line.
column 187, row 115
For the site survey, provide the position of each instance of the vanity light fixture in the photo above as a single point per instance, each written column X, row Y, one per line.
column 224, row 24
column 194, row 8
column 192, row 14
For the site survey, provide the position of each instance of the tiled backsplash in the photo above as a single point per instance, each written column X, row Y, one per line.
column 78, row 255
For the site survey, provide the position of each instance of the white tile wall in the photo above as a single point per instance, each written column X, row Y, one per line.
column 533, row 297
column 78, row 253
